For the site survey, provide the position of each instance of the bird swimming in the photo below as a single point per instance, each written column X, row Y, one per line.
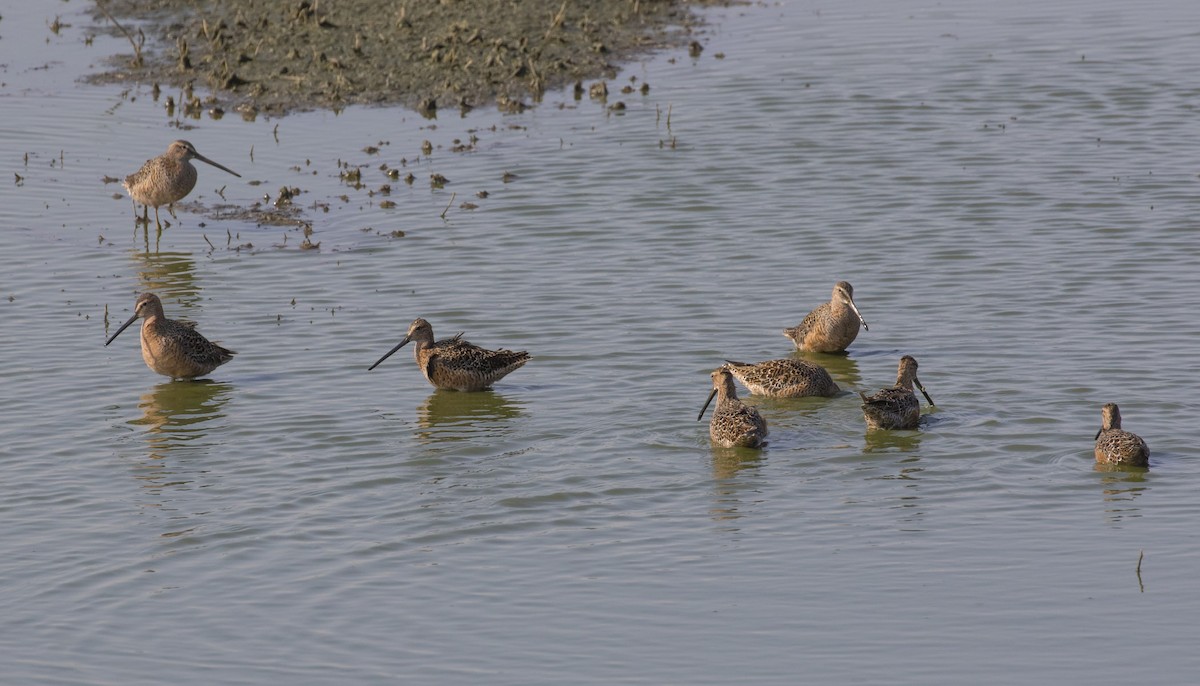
column 1116, row 446
column 171, row 347
column 896, row 407
column 785, row 378
column 734, row 423
column 455, row 364
column 832, row 326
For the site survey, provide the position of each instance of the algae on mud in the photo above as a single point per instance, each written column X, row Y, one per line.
column 275, row 57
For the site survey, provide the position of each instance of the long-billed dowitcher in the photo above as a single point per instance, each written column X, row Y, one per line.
column 1114, row 446
column 455, row 364
column 784, row 378
column 734, row 423
column 831, row 327
column 171, row 347
column 896, row 407
column 167, row 178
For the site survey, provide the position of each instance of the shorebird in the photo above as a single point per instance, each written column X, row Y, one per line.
column 784, row 378
column 896, row 407
column 734, row 424
column 1114, row 446
column 832, row 326
column 455, row 364
column 171, row 347
column 166, row 179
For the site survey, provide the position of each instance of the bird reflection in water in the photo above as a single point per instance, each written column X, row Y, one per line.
column 172, row 275
column 179, row 418
column 453, row 416
column 843, row 368
column 728, row 462
column 891, row 441
column 733, row 471
column 1126, row 472
column 1122, row 486
column 907, row 470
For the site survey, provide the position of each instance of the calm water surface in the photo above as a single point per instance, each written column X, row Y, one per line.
column 1011, row 187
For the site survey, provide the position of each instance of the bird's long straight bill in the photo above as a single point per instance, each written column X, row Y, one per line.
column 918, row 384
column 202, row 158
column 123, row 327
column 706, row 404
column 387, row 355
column 860, row 317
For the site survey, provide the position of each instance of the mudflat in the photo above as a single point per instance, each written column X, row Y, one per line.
column 274, row 57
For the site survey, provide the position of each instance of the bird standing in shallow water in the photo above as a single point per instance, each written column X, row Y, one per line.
column 1115, row 446
column 167, row 178
column 784, row 378
column 170, row 347
column 896, row 407
column 734, row 423
column 831, row 327
column 455, row 364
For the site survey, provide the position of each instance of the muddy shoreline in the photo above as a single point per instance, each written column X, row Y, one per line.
column 277, row 57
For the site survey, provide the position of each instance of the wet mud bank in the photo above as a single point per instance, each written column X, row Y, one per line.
column 277, row 57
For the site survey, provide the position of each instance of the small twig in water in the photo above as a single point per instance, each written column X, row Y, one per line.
column 208, row 241
column 137, row 48
column 1141, row 554
column 443, row 215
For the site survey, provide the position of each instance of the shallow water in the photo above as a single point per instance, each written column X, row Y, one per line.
column 1010, row 187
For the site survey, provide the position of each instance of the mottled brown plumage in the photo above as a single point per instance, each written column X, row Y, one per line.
column 170, row 347
column 784, row 378
column 896, row 407
column 455, row 364
column 831, row 327
column 167, row 178
column 1115, row 446
column 734, row 424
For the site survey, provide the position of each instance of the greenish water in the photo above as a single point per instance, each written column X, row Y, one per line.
column 1011, row 189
